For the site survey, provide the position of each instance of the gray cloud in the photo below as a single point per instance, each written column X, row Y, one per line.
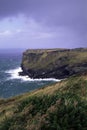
column 70, row 14
column 50, row 12
column 57, row 10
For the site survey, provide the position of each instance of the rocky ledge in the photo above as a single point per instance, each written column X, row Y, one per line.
column 54, row 63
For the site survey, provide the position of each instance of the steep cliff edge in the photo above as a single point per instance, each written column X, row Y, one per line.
column 54, row 63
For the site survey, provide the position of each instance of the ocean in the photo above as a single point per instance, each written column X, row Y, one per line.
column 11, row 84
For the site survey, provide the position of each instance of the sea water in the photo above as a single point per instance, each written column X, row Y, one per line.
column 11, row 84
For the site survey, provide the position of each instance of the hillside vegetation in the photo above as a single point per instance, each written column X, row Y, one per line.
column 60, row 106
column 54, row 63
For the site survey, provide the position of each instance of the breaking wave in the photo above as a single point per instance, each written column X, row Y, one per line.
column 14, row 74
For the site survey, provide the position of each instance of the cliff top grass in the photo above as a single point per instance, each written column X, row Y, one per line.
column 44, row 50
column 53, row 50
column 61, row 106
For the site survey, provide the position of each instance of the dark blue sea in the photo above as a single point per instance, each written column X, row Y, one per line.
column 11, row 84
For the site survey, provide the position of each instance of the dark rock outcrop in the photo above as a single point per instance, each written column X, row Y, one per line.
column 54, row 63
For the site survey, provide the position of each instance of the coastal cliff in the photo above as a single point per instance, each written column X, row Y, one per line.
column 59, row 106
column 54, row 63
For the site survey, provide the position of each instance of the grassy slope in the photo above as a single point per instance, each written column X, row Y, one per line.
column 61, row 106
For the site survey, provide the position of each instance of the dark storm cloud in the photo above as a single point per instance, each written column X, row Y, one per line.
column 66, row 14
column 53, row 12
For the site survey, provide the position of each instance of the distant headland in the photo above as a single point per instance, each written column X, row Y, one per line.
column 54, row 63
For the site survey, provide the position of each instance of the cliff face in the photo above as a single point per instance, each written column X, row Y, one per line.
column 54, row 63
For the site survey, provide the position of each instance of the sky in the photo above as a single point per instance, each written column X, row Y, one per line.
column 43, row 23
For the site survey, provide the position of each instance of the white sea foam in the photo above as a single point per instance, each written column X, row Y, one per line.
column 14, row 74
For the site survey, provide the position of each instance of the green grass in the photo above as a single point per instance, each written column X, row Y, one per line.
column 61, row 106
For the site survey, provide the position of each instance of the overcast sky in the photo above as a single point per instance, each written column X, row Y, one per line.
column 43, row 23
